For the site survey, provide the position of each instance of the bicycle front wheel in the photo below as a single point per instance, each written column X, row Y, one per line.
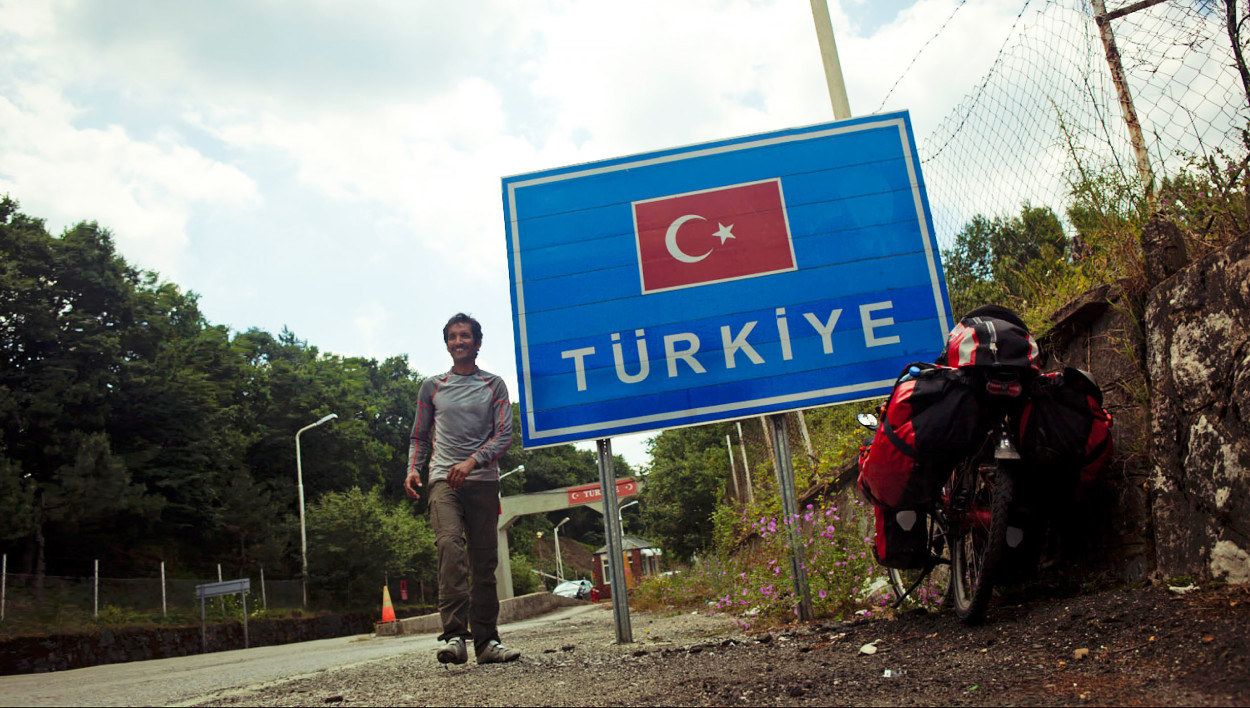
column 928, row 587
column 979, row 541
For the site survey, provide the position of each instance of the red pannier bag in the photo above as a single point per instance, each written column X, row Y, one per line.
column 1064, row 424
column 929, row 422
column 991, row 336
column 902, row 539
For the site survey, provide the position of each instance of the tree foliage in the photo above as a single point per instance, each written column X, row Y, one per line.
column 1004, row 260
column 134, row 431
column 688, row 477
column 357, row 539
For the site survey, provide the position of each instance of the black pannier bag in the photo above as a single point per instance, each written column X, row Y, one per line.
column 902, row 538
column 930, row 421
column 1064, row 425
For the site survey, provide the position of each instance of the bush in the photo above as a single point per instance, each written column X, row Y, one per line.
column 356, row 539
column 756, row 585
column 524, row 579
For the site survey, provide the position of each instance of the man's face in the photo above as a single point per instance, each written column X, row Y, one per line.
column 460, row 343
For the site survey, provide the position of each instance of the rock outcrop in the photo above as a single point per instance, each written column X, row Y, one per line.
column 1198, row 344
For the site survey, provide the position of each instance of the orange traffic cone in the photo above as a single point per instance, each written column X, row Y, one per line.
column 388, row 610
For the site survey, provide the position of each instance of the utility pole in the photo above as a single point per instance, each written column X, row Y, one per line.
column 829, row 58
column 1103, row 19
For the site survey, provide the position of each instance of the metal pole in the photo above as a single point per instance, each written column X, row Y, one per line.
column 612, row 530
column 746, row 467
column 733, row 469
column 790, row 510
column 303, row 534
column 203, row 625
column 807, row 439
column 95, row 596
column 299, row 479
column 1126, row 99
column 768, row 442
column 829, row 57
column 164, row 607
column 559, row 558
column 221, row 601
column 264, row 600
column 243, row 594
column 4, row 582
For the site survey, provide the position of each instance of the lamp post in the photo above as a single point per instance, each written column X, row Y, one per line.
column 299, row 479
column 622, row 508
column 518, row 468
column 559, row 560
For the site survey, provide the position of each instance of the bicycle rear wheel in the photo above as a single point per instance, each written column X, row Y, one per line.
column 979, row 539
column 928, row 587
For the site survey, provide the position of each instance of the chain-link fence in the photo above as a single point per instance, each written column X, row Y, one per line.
column 33, row 604
column 1048, row 113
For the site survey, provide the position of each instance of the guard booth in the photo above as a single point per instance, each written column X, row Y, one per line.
column 643, row 559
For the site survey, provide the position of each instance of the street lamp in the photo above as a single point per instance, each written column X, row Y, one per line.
column 518, row 468
column 559, row 560
column 622, row 508
column 299, row 479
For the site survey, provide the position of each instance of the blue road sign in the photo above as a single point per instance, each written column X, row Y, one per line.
column 753, row 275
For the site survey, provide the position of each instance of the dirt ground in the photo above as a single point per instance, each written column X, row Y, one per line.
column 1145, row 646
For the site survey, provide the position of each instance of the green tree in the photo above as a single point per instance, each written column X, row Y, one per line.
column 688, row 479
column 65, row 304
column 1004, row 261
column 356, row 539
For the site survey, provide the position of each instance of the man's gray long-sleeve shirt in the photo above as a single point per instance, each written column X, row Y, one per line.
column 458, row 416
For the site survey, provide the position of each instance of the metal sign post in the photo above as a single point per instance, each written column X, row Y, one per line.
column 220, row 589
column 612, row 529
column 790, row 513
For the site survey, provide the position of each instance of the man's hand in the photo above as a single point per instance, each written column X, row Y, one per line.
column 411, row 482
column 459, row 471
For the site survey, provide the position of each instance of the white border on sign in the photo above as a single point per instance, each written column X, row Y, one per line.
column 642, row 281
column 535, row 434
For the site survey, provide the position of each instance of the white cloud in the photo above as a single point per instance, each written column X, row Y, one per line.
column 145, row 191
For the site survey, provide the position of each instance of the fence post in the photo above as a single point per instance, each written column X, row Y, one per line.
column 221, row 601
column 164, row 607
column 1126, row 99
column 746, row 466
column 95, row 595
column 264, row 601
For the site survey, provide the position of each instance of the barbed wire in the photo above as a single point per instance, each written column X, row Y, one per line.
column 1048, row 107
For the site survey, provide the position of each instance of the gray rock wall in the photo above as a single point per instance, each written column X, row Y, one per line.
column 1198, row 324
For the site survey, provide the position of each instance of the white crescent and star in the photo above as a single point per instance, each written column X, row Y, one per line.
column 670, row 238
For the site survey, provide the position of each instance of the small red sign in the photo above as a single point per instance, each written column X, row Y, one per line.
column 589, row 493
column 403, row 589
column 712, row 236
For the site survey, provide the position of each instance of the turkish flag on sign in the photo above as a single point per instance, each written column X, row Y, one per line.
column 712, row 236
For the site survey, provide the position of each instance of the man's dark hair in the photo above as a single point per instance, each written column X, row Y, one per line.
column 461, row 318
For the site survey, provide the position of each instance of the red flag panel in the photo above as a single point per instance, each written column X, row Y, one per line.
column 713, row 235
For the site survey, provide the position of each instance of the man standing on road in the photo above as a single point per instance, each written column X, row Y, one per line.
column 463, row 425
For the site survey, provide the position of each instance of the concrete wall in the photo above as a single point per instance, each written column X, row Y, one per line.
column 59, row 652
column 510, row 610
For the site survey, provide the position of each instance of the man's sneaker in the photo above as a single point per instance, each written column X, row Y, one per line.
column 453, row 652
column 495, row 653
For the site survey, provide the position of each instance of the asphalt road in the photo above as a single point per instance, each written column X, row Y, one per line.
column 194, row 679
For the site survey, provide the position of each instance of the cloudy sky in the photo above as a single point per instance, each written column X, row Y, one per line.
column 334, row 167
